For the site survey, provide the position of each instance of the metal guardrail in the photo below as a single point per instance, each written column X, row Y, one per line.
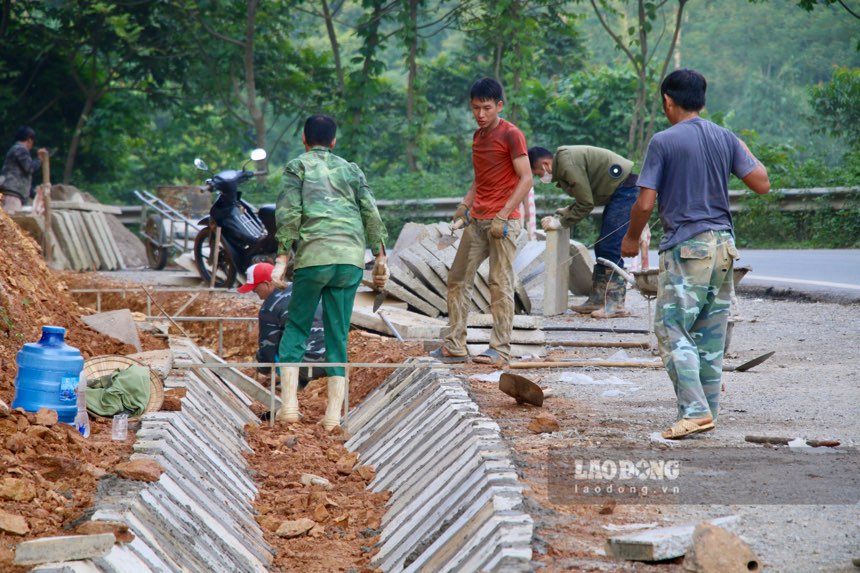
column 444, row 207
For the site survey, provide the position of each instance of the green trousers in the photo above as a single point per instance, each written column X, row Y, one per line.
column 336, row 285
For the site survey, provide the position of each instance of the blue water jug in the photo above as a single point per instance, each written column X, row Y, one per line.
column 48, row 374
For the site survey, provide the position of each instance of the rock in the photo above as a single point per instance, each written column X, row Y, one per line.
column 295, row 528
column 544, row 423
column 14, row 489
column 346, row 463
column 367, row 473
column 608, row 507
column 140, row 469
column 320, row 513
column 291, row 442
column 342, row 520
column 19, row 442
column 171, row 404
column 332, row 454
column 46, row 417
column 317, row 497
column 14, row 524
column 58, row 467
column 23, row 423
column 308, row 480
column 5, row 410
column 716, row 550
column 316, row 531
column 268, row 522
column 117, row 528
column 38, row 432
column 93, row 470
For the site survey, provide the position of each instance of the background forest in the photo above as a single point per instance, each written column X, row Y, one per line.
column 126, row 93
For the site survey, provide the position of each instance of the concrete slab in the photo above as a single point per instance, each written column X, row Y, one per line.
column 410, row 325
column 556, row 277
column 518, row 336
column 118, row 324
column 424, row 273
column 105, row 255
column 246, row 384
column 581, row 265
column 63, row 548
column 517, row 350
column 110, row 241
column 661, row 543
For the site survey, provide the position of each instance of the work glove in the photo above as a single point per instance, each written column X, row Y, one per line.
column 499, row 228
column 280, row 271
column 550, row 223
column 461, row 213
column 380, row 272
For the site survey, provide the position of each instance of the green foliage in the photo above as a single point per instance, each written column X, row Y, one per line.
column 837, row 106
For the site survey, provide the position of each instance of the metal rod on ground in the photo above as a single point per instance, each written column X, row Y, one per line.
column 272, row 398
column 597, row 344
column 390, row 326
column 217, row 247
column 585, row 364
column 173, row 322
column 594, row 329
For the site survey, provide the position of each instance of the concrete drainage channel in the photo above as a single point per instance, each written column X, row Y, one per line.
column 198, row 516
column 456, row 502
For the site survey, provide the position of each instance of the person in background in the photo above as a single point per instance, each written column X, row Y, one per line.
column 272, row 319
column 490, row 207
column 16, row 176
column 686, row 171
column 593, row 176
column 327, row 209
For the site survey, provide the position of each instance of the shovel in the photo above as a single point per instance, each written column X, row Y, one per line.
column 448, row 240
column 521, row 389
column 750, row 364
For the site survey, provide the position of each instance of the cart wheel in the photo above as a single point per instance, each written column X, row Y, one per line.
column 156, row 253
column 203, row 258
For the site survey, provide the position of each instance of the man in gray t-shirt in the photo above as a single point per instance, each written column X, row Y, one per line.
column 686, row 170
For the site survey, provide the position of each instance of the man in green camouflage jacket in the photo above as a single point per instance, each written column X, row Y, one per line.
column 328, row 211
column 16, row 176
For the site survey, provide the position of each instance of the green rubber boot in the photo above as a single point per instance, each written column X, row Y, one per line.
column 598, row 292
column 616, row 292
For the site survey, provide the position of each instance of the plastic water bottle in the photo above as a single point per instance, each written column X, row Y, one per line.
column 82, row 418
column 119, row 427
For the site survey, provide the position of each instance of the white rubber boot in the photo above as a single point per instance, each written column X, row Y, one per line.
column 289, row 411
column 336, row 391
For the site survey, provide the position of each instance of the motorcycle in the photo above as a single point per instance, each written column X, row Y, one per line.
column 234, row 236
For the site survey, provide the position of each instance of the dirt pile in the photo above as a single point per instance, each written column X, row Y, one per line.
column 337, row 524
column 32, row 296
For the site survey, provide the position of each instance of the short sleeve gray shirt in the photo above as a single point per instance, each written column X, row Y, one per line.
column 689, row 166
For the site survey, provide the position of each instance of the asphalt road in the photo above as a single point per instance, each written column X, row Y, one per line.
column 832, row 275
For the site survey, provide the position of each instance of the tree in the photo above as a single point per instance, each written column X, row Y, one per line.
column 837, row 105
column 637, row 41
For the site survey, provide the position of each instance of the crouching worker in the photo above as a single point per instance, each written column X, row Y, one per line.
column 593, row 177
column 327, row 209
column 273, row 318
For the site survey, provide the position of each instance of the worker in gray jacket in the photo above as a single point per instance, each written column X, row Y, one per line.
column 593, row 177
column 16, row 176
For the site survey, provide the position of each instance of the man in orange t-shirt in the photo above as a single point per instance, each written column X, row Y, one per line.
column 502, row 180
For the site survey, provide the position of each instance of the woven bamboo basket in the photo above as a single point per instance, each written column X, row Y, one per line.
column 99, row 366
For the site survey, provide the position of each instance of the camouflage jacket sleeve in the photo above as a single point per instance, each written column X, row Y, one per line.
column 288, row 209
column 374, row 229
column 570, row 172
column 272, row 318
column 18, row 170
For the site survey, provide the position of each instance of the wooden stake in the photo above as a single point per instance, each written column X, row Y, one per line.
column 46, row 197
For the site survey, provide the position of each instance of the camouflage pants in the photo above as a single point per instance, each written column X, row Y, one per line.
column 476, row 245
column 694, row 294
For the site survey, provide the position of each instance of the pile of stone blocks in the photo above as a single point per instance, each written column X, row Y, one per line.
column 199, row 515
column 84, row 236
column 456, row 503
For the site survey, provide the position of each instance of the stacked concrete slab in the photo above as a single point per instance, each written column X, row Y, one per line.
column 198, row 516
column 420, row 262
column 456, row 502
column 85, row 238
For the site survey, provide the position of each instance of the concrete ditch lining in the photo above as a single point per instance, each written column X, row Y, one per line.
column 198, row 516
column 456, row 502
